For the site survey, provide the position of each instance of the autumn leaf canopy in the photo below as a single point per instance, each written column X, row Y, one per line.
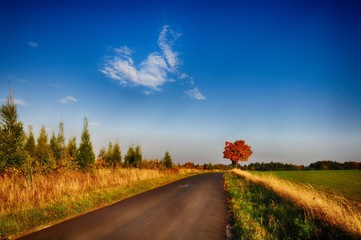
column 237, row 151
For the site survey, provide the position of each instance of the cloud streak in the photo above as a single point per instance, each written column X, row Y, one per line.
column 195, row 94
column 155, row 70
column 166, row 39
column 68, row 100
column 152, row 72
column 33, row 44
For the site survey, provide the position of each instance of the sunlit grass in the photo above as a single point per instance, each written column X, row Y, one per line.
column 339, row 182
column 337, row 211
column 26, row 204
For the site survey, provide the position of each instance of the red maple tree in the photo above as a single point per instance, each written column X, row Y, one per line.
column 237, row 151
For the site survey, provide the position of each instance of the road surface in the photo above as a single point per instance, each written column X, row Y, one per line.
column 192, row 208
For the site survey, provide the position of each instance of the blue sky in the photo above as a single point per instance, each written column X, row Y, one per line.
column 185, row 77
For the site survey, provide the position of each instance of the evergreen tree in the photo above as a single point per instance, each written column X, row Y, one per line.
column 133, row 158
column 54, row 147
column 167, row 160
column 61, row 141
column 57, row 145
column 128, row 158
column 12, row 136
column 117, row 155
column 43, row 151
column 71, row 148
column 138, row 156
column 113, row 155
column 71, row 152
column 102, row 154
column 30, row 142
column 29, row 165
column 109, row 154
column 85, row 156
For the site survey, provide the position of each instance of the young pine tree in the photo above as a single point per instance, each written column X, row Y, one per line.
column 167, row 160
column 117, row 155
column 12, row 136
column 30, row 164
column 133, row 158
column 109, row 154
column 129, row 157
column 61, row 142
column 138, row 157
column 57, row 145
column 102, row 154
column 54, row 147
column 85, row 155
column 43, row 152
column 113, row 156
column 30, row 142
column 71, row 152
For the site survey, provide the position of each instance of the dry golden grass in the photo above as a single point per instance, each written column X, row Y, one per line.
column 337, row 211
column 18, row 193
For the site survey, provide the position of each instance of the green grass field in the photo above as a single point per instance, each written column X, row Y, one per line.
column 259, row 213
column 341, row 182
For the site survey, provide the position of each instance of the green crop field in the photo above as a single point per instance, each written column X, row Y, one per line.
column 341, row 182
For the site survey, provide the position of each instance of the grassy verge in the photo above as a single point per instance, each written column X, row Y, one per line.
column 346, row 183
column 45, row 200
column 335, row 210
column 259, row 213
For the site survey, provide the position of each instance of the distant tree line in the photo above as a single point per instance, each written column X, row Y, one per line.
column 319, row 165
column 332, row 165
column 272, row 166
column 22, row 152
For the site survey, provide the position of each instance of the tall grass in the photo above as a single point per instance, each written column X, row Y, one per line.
column 346, row 183
column 258, row 213
column 27, row 203
column 337, row 211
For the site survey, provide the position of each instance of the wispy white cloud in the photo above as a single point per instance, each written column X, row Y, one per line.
column 146, row 92
column 155, row 70
column 33, row 44
column 151, row 73
column 195, row 93
column 68, row 100
column 183, row 76
column 166, row 39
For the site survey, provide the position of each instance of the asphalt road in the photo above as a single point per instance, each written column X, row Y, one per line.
column 192, row 208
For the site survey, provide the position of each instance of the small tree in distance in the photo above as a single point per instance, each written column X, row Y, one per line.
column 117, row 155
column 134, row 157
column 237, row 151
column 43, row 151
column 85, row 155
column 113, row 156
column 167, row 160
column 71, row 152
column 30, row 142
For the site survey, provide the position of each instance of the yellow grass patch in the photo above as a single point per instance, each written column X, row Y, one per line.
column 18, row 193
column 336, row 210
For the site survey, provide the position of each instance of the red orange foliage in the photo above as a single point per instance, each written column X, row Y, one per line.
column 237, row 151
